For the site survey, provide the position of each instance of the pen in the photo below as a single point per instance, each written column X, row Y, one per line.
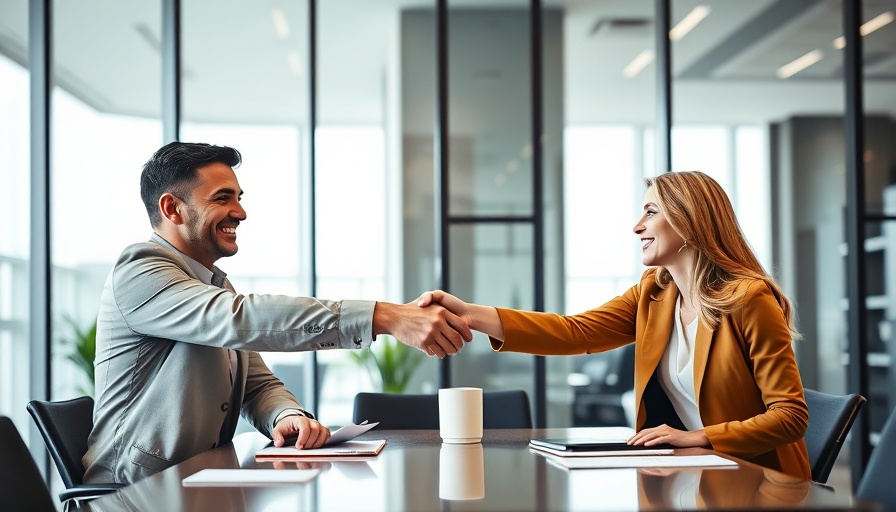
column 346, row 451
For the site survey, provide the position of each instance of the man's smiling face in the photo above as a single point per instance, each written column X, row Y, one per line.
column 212, row 214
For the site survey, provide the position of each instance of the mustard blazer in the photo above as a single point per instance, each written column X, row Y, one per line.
column 748, row 387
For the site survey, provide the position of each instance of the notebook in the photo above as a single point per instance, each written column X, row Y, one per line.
column 248, row 477
column 612, row 462
column 349, row 450
column 566, row 447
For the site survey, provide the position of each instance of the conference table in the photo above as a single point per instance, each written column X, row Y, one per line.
column 416, row 472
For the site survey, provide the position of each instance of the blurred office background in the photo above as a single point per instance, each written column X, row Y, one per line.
column 758, row 99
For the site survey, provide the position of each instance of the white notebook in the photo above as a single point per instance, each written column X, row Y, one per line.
column 683, row 461
column 249, row 477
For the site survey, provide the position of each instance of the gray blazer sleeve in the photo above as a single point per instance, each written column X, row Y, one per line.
column 265, row 395
column 157, row 297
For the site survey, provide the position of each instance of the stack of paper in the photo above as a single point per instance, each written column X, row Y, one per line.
column 682, row 461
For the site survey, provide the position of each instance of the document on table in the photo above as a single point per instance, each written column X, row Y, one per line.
column 349, row 450
column 248, row 477
column 628, row 461
column 346, row 433
column 349, row 432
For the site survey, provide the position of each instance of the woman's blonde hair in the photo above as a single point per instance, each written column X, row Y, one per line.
column 699, row 210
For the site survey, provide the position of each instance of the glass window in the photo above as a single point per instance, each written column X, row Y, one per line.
column 763, row 85
column 15, row 205
column 105, row 124
column 245, row 86
column 358, row 193
column 490, row 167
column 609, row 103
column 879, row 30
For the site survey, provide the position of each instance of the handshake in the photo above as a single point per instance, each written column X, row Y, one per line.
column 437, row 323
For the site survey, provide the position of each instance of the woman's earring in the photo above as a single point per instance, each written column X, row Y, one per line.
column 683, row 246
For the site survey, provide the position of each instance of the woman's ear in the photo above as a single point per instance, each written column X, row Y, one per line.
column 170, row 208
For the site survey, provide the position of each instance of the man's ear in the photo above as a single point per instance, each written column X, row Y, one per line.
column 170, row 208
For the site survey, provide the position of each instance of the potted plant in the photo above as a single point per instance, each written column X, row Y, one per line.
column 391, row 362
column 83, row 352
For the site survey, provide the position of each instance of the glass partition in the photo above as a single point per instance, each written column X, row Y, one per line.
column 358, row 193
column 879, row 38
column 758, row 103
column 15, row 205
column 105, row 125
column 244, row 85
column 609, row 109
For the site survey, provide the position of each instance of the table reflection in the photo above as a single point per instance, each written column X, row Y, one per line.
column 461, row 472
column 416, row 472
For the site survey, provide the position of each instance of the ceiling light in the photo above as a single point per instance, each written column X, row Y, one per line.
column 281, row 27
column 792, row 68
column 639, row 63
column 688, row 22
column 869, row 27
column 876, row 23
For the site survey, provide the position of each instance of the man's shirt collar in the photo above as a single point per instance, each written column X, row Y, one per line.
column 214, row 277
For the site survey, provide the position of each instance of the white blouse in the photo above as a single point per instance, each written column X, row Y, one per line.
column 677, row 371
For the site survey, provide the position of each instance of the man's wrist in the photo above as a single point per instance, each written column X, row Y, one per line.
column 293, row 412
column 383, row 315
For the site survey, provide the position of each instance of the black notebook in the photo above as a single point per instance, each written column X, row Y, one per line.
column 589, row 447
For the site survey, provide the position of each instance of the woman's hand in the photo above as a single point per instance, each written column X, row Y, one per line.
column 447, row 301
column 484, row 319
column 664, row 434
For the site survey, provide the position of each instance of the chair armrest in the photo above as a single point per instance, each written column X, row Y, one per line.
column 88, row 491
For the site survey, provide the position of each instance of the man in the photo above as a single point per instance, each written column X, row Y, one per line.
column 177, row 358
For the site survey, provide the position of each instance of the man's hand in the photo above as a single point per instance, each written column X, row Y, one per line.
column 311, row 434
column 484, row 319
column 433, row 330
column 666, row 434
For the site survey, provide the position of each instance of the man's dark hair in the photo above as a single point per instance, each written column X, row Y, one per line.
column 173, row 169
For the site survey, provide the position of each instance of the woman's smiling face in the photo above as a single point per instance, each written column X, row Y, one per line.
column 660, row 244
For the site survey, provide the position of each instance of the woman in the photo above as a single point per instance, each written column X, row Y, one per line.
column 714, row 366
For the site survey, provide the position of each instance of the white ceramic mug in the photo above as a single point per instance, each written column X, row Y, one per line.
column 461, row 472
column 460, row 415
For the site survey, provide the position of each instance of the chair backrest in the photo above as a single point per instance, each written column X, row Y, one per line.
column 830, row 418
column 506, row 409
column 501, row 409
column 65, row 427
column 877, row 483
column 21, row 485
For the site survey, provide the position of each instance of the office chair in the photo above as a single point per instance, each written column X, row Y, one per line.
column 64, row 427
column 500, row 409
column 21, row 485
column 830, row 418
column 611, row 374
column 877, row 483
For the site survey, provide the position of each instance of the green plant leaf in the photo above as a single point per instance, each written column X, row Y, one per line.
column 84, row 350
column 391, row 362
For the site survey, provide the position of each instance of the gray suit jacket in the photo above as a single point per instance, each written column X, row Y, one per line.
column 163, row 373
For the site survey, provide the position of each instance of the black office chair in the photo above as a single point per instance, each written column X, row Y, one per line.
column 830, row 418
column 877, row 483
column 65, row 426
column 21, row 485
column 500, row 409
column 598, row 402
